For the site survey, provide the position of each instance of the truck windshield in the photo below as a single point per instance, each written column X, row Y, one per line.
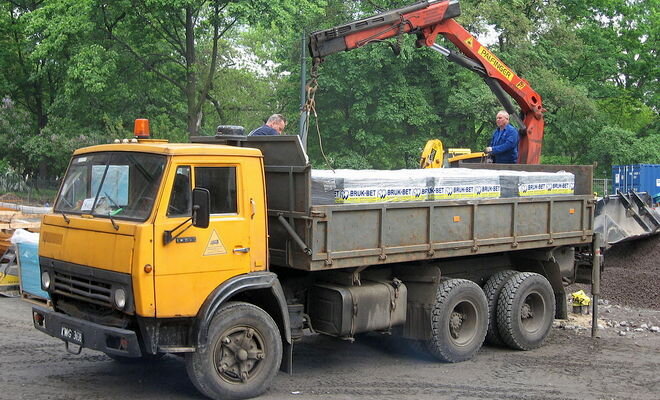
column 112, row 185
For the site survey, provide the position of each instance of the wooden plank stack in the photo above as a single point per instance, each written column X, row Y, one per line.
column 11, row 220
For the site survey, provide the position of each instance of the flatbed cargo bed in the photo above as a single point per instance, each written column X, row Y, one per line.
column 323, row 237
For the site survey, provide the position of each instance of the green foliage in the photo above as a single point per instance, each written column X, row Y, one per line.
column 628, row 112
column 10, row 180
column 618, row 146
column 78, row 72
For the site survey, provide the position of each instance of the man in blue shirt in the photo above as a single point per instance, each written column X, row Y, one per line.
column 504, row 144
column 274, row 126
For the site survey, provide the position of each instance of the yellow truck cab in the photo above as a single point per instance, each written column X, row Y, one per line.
column 218, row 251
column 130, row 263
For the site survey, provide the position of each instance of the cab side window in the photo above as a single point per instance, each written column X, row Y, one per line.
column 221, row 183
column 181, row 199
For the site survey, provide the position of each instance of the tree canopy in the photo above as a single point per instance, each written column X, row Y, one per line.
column 78, row 72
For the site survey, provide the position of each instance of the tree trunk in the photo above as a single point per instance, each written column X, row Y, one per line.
column 191, row 80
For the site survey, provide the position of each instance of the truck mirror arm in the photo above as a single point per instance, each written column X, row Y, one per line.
column 167, row 235
column 199, row 217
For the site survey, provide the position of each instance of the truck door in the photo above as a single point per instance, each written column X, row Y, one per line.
column 197, row 260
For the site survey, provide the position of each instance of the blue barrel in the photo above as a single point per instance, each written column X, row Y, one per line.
column 28, row 258
column 637, row 177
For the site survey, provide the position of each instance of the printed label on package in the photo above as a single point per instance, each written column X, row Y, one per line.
column 463, row 191
column 378, row 195
column 545, row 188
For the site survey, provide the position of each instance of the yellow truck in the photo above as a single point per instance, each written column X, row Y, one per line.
column 214, row 251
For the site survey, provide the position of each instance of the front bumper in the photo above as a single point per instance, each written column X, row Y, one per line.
column 120, row 342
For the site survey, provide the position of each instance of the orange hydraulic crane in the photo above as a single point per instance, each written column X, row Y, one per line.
column 427, row 20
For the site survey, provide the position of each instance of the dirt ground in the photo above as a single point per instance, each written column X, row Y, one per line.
column 630, row 288
column 632, row 273
column 570, row 365
column 622, row 363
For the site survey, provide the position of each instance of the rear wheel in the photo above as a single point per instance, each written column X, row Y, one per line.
column 459, row 321
column 492, row 289
column 525, row 311
column 242, row 355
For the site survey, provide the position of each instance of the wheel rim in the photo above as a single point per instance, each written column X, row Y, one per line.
column 532, row 313
column 238, row 354
column 462, row 323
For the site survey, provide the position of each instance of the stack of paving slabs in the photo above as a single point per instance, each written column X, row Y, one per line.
column 346, row 186
column 525, row 184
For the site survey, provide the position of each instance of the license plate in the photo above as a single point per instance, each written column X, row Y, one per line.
column 71, row 335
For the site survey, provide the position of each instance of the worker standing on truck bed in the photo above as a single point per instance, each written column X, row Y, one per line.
column 274, row 126
column 504, row 144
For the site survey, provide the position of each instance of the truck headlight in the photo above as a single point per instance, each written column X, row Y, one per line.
column 120, row 298
column 45, row 280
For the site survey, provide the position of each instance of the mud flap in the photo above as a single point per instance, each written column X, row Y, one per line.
column 287, row 358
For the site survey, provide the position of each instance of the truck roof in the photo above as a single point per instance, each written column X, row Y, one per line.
column 163, row 147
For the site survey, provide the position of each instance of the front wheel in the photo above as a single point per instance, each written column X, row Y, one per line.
column 525, row 311
column 459, row 321
column 242, row 355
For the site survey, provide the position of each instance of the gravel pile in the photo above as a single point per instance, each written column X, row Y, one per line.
column 632, row 273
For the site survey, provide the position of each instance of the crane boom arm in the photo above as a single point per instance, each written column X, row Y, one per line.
column 427, row 20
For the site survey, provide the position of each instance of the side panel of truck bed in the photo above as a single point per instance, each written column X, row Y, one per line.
column 342, row 236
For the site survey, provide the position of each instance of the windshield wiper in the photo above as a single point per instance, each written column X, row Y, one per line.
column 114, row 224
column 66, row 219
column 114, row 203
column 115, row 212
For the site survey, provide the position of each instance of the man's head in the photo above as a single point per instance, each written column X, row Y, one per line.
column 277, row 122
column 502, row 119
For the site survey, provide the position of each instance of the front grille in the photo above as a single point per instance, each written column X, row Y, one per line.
column 83, row 288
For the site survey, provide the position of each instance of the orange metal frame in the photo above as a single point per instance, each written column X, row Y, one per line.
column 428, row 23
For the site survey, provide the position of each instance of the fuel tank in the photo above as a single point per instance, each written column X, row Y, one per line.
column 344, row 311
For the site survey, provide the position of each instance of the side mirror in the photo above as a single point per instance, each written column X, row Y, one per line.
column 201, row 198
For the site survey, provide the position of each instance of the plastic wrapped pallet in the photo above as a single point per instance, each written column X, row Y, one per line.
column 370, row 186
column 323, row 186
column 463, row 183
column 525, row 184
column 28, row 262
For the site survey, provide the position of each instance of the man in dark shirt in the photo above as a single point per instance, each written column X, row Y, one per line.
column 504, row 144
column 274, row 126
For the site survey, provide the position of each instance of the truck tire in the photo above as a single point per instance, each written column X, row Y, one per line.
column 525, row 311
column 242, row 354
column 492, row 289
column 459, row 321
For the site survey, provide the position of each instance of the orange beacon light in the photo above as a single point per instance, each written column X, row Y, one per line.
column 141, row 128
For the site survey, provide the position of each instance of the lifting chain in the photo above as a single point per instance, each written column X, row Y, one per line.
column 310, row 105
column 399, row 37
column 313, row 84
